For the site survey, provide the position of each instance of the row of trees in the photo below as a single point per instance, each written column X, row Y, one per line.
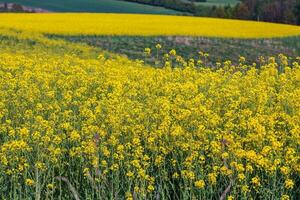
column 184, row 6
column 282, row 11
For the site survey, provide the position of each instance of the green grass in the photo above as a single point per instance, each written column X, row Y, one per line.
column 218, row 48
column 106, row 6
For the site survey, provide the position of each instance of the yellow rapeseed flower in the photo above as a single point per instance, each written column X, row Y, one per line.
column 200, row 184
column 29, row 182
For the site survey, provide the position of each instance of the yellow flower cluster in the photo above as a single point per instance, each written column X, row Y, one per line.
column 114, row 128
column 149, row 25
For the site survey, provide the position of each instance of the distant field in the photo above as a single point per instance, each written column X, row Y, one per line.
column 144, row 25
column 107, row 6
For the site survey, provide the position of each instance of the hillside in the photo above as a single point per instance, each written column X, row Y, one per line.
column 129, row 34
column 106, row 6
column 276, row 11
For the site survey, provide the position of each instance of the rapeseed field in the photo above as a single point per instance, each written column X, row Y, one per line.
column 146, row 25
column 76, row 122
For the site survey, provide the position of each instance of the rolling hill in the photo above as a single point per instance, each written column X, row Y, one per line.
column 106, row 6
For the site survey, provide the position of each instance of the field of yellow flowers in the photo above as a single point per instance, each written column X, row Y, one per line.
column 146, row 25
column 78, row 123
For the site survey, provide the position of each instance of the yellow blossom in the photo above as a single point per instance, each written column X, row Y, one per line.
column 200, row 184
column 29, row 182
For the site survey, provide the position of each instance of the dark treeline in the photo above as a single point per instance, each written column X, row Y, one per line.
column 281, row 11
column 179, row 5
